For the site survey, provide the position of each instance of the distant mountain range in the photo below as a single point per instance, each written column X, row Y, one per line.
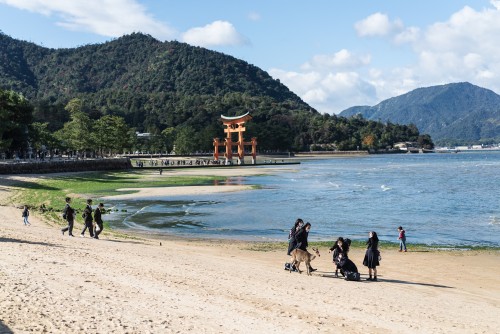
column 455, row 113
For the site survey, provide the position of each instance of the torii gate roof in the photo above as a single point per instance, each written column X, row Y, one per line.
column 236, row 119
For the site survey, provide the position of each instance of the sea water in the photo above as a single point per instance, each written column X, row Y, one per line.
column 440, row 199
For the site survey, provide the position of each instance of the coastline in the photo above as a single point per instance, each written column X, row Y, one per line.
column 140, row 283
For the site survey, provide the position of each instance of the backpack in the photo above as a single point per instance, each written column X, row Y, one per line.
column 352, row 276
column 287, row 267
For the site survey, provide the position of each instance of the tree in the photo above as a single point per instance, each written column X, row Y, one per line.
column 185, row 140
column 15, row 115
column 169, row 137
column 425, row 141
column 77, row 133
column 369, row 141
column 111, row 133
column 42, row 138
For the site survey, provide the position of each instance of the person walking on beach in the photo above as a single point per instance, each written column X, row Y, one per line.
column 292, row 242
column 26, row 213
column 98, row 220
column 402, row 239
column 301, row 239
column 372, row 256
column 87, row 217
column 69, row 216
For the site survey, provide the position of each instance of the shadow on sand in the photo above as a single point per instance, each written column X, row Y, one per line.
column 4, row 329
column 125, row 241
column 363, row 279
column 27, row 242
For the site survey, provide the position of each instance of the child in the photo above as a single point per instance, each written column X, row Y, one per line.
column 26, row 214
column 402, row 239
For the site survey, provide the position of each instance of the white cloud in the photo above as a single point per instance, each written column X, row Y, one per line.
column 463, row 48
column 341, row 59
column 408, row 35
column 112, row 18
column 254, row 16
column 218, row 33
column 377, row 24
column 329, row 88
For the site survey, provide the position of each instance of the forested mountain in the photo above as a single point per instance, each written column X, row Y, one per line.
column 172, row 88
column 452, row 114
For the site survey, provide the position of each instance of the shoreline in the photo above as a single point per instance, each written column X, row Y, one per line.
column 139, row 193
column 140, row 283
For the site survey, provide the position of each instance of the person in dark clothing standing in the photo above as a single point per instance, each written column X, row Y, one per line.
column 292, row 242
column 98, row 220
column 87, row 216
column 301, row 239
column 372, row 256
column 69, row 216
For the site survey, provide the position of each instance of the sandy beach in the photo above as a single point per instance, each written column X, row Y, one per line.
column 139, row 284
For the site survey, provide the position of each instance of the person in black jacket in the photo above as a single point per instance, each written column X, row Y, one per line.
column 69, row 216
column 301, row 239
column 87, row 216
column 292, row 242
column 98, row 220
column 372, row 255
column 339, row 248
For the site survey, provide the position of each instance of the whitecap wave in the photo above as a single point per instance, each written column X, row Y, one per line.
column 494, row 220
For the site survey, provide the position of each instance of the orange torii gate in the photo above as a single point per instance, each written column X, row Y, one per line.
column 235, row 125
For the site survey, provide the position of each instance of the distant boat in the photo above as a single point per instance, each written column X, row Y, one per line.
column 427, row 150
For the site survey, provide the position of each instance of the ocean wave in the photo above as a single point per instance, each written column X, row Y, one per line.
column 385, row 188
column 494, row 220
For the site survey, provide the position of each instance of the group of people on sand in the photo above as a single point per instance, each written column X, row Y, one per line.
column 92, row 222
column 297, row 238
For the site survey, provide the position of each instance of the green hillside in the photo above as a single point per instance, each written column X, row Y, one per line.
column 158, row 86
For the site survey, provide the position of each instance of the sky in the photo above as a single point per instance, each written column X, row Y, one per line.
column 333, row 54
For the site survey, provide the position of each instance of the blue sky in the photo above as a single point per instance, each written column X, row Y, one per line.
column 333, row 54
